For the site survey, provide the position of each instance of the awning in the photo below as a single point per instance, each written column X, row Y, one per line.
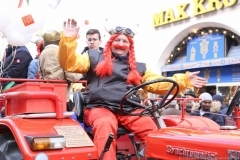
column 202, row 64
column 204, row 52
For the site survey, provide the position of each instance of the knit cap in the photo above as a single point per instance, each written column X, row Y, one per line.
column 205, row 97
column 218, row 98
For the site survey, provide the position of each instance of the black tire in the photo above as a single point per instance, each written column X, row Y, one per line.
column 9, row 149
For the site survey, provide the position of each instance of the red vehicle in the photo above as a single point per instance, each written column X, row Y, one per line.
column 36, row 126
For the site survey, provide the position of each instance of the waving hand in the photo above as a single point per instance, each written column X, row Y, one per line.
column 70, row 28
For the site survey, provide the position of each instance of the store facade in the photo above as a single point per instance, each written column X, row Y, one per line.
column 202, row 36
column 164, row 26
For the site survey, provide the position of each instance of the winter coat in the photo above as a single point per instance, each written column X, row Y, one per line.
column 224, row 109
column 86, row 49
column 17, row 64
column 50, row 68
column 33, row 69
column 214, row 109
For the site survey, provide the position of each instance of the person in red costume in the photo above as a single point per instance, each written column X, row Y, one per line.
column 109, row 72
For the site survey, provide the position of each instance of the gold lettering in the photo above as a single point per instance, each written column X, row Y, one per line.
column 158, row 19
column 228, row 4
column 182, row 14
column 215, row 4
column 169, row 16
column 198, row 7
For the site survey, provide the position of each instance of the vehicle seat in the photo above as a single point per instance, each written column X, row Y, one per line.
column 79, row 99
column 80, row 103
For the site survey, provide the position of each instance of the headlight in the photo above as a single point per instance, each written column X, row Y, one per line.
column 48, row 143
column 41, row 156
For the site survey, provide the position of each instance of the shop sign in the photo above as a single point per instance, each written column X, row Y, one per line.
column 220, row 74
column 166, row 17
column 206, row 47
column 180, row 58
column 202, row 64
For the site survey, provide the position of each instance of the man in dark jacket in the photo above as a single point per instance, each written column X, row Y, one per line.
column 16, row 64
column 93, row 40
column 204, row 109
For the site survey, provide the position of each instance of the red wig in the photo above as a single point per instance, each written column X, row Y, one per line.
column 105, row 67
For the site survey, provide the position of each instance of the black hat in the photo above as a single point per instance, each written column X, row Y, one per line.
column 190, row 93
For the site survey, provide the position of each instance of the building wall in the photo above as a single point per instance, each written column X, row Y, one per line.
column 152, row 45
column 175, row 32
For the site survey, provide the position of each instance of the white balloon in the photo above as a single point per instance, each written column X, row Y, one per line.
column 53, row 3
column 3, row 44
column 4, row 18
column 18, row 39
column 6, row 9
column 26, row 20
column 28, row 37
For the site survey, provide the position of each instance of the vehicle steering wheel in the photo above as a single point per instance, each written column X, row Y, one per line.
column 233, row 103
column 146, row 109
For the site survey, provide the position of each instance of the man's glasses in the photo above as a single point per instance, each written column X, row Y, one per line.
column 94, row 40
column 123, row 30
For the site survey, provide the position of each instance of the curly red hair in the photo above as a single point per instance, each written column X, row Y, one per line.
column 105, row 67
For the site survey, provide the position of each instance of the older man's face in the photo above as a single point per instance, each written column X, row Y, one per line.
column 205, row 105
column 120, row 45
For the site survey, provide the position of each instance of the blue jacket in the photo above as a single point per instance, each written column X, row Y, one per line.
column 216, row 118
column 224, row 109
column 33, row 69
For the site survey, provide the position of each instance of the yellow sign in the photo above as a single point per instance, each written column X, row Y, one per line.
column 75, row 136
column 168, row 17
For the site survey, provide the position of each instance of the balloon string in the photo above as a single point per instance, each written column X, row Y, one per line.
column 14, row 55
column 1, row 56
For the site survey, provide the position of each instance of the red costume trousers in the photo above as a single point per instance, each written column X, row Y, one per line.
column 105, row 122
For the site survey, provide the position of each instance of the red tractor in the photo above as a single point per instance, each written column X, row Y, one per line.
column 36, row 126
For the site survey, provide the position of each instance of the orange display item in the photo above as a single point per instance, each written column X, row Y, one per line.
column 20, row 106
